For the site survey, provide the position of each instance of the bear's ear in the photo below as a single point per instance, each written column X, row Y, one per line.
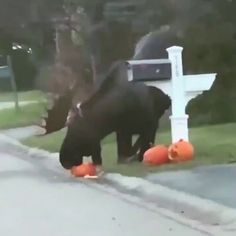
column 57, row 115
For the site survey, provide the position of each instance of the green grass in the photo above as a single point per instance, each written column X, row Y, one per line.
column 50, row 142
column 23, row 96
column 213, row 145
column 28, row 115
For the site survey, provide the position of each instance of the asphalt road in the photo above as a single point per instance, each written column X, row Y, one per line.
column 216, row 183
column 36, row 201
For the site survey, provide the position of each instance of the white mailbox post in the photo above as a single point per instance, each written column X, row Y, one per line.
column 181, row 88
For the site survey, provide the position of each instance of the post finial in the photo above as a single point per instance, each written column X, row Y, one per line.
column 174, row 49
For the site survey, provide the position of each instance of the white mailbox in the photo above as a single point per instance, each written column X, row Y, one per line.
column 167, row 74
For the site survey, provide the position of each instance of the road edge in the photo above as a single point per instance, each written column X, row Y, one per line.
column 185, row 204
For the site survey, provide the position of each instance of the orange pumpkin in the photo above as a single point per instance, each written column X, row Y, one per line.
column 156, row 155
column 181, row 151
column 83, row 170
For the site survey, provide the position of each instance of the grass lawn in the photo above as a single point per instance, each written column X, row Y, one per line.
column 22, row 96
column 213, row 145
column 28, row 115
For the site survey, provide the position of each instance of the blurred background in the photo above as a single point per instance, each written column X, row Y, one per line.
column 54, row 42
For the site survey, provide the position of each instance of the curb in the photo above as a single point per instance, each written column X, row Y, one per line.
column 13, row 146
column 184, row 204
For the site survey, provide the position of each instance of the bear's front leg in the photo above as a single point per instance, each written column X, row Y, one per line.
column 97, row 159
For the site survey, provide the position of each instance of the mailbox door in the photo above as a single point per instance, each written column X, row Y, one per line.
column 151, row 72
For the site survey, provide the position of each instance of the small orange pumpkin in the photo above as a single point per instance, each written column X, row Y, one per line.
column 181, row 151
column 83, row 170
column 156, row 155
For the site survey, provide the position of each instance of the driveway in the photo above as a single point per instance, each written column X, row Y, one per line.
column 217, row 183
